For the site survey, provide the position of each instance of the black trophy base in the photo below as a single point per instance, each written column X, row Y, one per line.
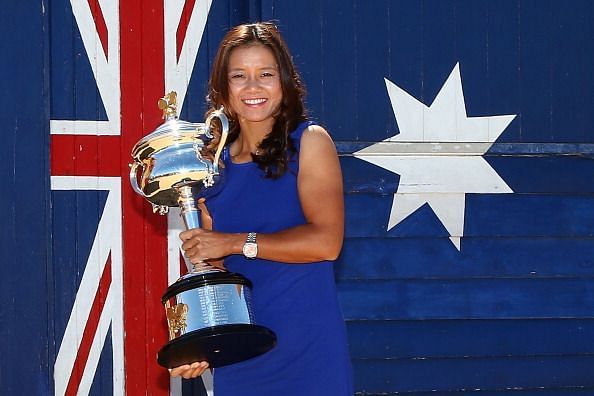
column 219, row 345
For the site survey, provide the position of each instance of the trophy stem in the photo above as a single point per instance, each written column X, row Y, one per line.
column 187, row 204
column 190, row 215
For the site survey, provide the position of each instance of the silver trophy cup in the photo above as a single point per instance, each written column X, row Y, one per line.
column 208, row 310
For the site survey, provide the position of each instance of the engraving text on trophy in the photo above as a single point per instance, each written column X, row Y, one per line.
column 216, row 308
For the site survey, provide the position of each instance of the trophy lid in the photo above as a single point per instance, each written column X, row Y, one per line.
column 172, row 132
column 171, row 157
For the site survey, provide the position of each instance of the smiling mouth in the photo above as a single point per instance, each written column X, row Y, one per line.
column 254, row 101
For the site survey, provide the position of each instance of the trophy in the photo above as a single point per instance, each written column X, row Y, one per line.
column 209, row 313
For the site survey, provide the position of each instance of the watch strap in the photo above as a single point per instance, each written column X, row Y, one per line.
column 251, row 237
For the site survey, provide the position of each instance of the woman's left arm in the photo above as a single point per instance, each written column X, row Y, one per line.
column 320, row 190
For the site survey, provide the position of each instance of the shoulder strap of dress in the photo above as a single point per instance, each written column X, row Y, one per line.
column 298, row 132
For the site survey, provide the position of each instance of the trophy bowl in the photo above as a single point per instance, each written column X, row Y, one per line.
column 208, row 310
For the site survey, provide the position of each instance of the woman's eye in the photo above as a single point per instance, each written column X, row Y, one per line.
column 237, row 76
column 267, row 74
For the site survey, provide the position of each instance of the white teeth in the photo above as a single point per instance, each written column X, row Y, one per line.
column 253, row 101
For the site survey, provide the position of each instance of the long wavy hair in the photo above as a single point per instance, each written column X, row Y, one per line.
column 276, row 148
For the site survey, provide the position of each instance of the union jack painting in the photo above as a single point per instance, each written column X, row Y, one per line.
column 89, row 155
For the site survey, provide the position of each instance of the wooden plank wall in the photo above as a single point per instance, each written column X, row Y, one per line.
column 509, row 313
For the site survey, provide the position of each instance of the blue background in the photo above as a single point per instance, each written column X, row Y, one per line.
column 511, row 313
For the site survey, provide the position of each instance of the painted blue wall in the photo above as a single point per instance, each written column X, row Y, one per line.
column 25, row 278
column 512, row 312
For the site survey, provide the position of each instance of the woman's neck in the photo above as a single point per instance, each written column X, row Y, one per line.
column 250, row 136
column 243, row 147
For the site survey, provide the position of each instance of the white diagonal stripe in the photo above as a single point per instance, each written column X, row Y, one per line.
column 105, row 67
column 178, row 73
column 107, row 239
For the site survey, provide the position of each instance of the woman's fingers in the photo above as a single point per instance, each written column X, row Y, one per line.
column 189, row 234
column 190, row 239
column 177, row 371
column 194, row 246
column 203, row 245
column 188, row 371
column 199, row 369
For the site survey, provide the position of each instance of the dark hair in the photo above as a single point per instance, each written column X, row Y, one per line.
column 276, row 148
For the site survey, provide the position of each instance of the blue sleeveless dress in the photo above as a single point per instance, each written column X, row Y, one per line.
column 297, row 301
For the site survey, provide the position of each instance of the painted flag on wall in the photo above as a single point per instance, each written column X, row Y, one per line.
column 106, row 80
column 465, row 135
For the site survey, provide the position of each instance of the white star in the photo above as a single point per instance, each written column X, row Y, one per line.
column 438, row 155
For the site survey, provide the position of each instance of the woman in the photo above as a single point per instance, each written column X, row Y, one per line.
column 278, row 221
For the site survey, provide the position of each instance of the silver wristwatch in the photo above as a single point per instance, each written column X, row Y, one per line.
column 250, row 247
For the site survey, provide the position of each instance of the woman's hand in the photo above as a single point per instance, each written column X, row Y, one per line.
column 188, row 371
column 203, row 244
column 206, row 245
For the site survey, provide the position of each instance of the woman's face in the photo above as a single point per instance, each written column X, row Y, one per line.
column 255, row 92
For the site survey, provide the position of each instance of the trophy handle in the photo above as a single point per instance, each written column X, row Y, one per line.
column 225, row 124
column 134, row 179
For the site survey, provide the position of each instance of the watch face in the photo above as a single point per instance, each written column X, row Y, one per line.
column 250, row 250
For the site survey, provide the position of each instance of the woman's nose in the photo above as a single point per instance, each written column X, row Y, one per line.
column 252, row 82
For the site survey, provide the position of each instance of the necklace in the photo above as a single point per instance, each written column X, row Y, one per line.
column 239, row 142
column 256, row 153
